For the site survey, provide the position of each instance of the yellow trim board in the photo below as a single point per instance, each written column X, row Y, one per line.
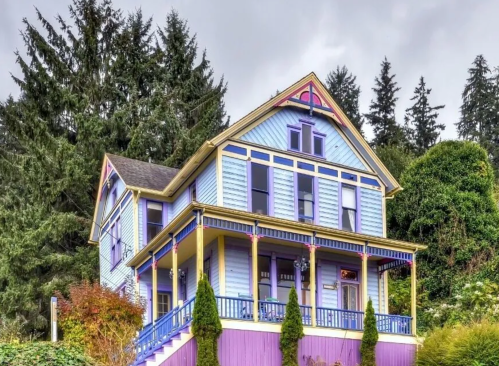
column 315, row 331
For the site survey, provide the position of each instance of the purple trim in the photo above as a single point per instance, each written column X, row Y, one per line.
column 295, row 177
column 249, row 186
column 273, row 275
column 271, row 191
column 352, row 267
column 319, row 282
column 340, row 205
column 161, row 288
column 316, row 201
column 144, row 222
column 307, row 121
column 298, row 281
column 358, row 223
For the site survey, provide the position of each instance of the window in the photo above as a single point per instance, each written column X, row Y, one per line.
column 305, row 198
column 305, row 287
column 207, row 269
column 264, row 284
column 349, row 275
column 304, row 138
column 154, row 219
column 285, row 279
column 260, row 188
column 192, row 189
column 349, row 296
column 116, row 243
column 349, row 208
column 163, row 303
column 114, row 197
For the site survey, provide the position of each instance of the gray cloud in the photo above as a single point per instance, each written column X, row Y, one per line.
column 261, row 46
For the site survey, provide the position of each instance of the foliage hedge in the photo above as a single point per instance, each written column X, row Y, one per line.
column 369, row 338
column 42, row 354
column 291, row 331
column 476, row 345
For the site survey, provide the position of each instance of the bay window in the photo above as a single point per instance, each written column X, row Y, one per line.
column 259, row 189
column 349, row 208
column 154, row 219
column 305, row 198
column 306, row 139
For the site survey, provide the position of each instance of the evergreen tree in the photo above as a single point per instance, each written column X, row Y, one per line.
column 420, row 119
column 343, row 88
column 206, row 325
column 382, row 109
column 102, row 84
column 369, row 338
column 477, row 108
column 291, row 331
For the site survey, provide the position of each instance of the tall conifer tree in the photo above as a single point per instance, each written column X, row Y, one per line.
column 421, row 120
column 382, row 109
column 343, row 88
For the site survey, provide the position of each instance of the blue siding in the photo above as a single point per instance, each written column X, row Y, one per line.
column 141, row 208
column 273, row 133
column 372, row 284
column 121, row 273
column 207, row 185
column 120, row 188
column 235, row 183
column 211, row 251
column 180, row 203
column 237, row 272
column 371, row 212
column 284, row 194
column 328, row 203
column 329, row 277
column 190, row 265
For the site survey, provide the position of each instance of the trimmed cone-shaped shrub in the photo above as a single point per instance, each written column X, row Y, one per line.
column 206, row 325
column 291, row 331
column 370, row 337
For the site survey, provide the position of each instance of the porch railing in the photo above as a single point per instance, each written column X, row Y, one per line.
column 337, row 318
column 395, row 324
column 154, row 335
column 271, row 311
column 235, row 308
column 306, row 314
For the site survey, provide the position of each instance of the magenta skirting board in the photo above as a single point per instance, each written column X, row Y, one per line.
column 249, row 348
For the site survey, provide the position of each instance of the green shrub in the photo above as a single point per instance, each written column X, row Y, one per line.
column 291, row 331
column 42, row 354
column 206, row 325
column 370, row 337
column 477, row 344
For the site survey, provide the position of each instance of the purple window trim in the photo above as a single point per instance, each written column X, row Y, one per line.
column 273, row 275
column 295, row 178
column 358, row 221
column 314, row 198
column 270, row 187
column 340, row 206
column 271, row 191
column 357, row 207
column 339, row 267
column 161, row 288
column 316, row 201
column 116, row 243
column 144, row 222
column 307, row 121
column 249, row 186
column 315, row 132
column 163, row 224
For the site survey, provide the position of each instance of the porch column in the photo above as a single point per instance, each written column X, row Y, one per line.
column 254, row 271
column 313, row 285
column 365, row 298
column 199, row 246
column 154, row 289
column 175, row 273
column 413, row 294
column 221, row 264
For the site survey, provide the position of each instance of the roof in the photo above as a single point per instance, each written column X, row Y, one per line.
column 141, row 174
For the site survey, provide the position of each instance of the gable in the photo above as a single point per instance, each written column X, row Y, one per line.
column 273, row 132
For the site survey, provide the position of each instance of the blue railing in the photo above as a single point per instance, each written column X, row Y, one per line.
column 235, row 308
column 306, row 314
column 154, row 335
column 271, row 311
column 395, row 324
column 337, row 318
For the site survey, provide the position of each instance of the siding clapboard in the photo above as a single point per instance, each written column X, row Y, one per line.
column 207, row 185
column 329, row 276
column 235, row 183
column 273, row 133
column 236, row 272
column 215, row 280
column 180, row 203
column 284, row 194
column 371, row 212
column 328, row 203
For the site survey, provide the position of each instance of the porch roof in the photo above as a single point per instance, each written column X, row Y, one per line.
column 248, row 219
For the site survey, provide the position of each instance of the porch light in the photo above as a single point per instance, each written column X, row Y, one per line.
column 301, row 264
column 181, row 275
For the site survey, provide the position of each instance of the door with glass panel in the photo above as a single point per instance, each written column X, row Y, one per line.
column 350, row 301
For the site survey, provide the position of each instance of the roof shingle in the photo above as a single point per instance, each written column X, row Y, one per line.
column 141, row 174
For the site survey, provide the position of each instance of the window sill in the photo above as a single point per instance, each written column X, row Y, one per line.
column 116, row 265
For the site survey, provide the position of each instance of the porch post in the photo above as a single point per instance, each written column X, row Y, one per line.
column 312, row 284
column 221, row 264
column 365, row 298
column 413, row 294
column 199, row 247
column 175, row 273
column 154, row 289
column 254, row 271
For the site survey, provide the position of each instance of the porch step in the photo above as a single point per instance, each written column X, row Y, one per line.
column 168, row 349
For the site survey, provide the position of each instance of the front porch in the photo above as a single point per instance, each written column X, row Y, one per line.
column 253, row 264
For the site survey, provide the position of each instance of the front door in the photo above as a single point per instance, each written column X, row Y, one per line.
column 350, row 297
column 164, row 303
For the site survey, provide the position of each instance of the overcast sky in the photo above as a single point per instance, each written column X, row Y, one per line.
column 261, row 46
